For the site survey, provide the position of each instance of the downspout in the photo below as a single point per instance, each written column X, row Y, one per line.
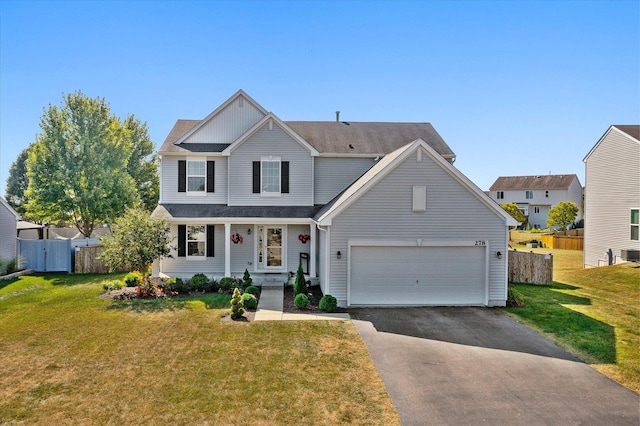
column 327, row 258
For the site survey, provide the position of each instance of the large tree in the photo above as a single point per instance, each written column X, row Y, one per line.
column 514, row 211
column 17, row 182
column 78, row 168
column 143, row 163
column 562, row 215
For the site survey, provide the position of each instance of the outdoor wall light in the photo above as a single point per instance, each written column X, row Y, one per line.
column 339, row 255
column 249, row 231
column 499, row 255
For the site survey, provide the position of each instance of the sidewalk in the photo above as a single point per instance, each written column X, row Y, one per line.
column 270, row 307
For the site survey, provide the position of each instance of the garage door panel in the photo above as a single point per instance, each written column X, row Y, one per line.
column 417, row 275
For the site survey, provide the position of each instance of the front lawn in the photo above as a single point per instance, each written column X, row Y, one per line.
column 593, row 313
column 69, row 357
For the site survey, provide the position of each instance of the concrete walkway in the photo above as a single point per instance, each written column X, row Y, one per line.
column 270, row 307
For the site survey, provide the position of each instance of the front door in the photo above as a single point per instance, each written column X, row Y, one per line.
column 271, row 247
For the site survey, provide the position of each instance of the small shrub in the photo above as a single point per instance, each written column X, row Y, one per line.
column 514, row 298
column 237, row 308
column 301, row 301
column 112, row 285
column 328, row 303
column 249, row 301
column 227, row 284
column 246, row 279
column 252, row 289
column 199, row 282
column 133, row 279
column 300, row 285
column 175, row 284
column 12, row 266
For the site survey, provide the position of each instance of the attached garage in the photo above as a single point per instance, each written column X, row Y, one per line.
column 400, row 275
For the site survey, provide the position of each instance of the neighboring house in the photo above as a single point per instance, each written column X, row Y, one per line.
column 375, row 211
column 8, row 231
column 612, row 197
column 536, row 195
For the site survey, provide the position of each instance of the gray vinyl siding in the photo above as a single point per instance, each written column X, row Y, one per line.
column 274, row 142
column 185, row 268
column 385, row 212
column 611, row 191
column 334, row 174
column 229, row 124
column 8, row 230
column 169, row 183
column 295, row 246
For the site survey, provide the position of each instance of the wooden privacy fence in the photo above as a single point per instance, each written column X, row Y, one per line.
column 531, row 268
column 87, row 261
column 564, row 242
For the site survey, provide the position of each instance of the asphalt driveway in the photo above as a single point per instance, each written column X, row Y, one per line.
column 478, row 366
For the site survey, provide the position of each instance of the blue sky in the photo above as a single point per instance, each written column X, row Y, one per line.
column 514, row 87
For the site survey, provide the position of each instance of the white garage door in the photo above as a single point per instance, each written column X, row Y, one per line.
column 417, row 275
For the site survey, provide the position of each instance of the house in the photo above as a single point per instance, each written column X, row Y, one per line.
column 375, row 212
column 8, row 231
column 612, row 197
column 536, row 195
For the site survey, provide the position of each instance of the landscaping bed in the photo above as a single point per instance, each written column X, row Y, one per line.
column 312, row 308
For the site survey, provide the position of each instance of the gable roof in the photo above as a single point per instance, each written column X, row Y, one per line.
column 6, row 204
column 388, row 163
column 324, row 137
column 267, row 118
column 629, row 130
column 533, row 182
column 374, row 138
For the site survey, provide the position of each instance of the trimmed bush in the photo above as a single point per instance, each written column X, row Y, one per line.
column 246, row 279
column 249, row 301
column 112, row 285
column 177, row 285
column 301, row 301
column 328, row 303
column 133, row 279
column 300, row 285
column 237, row 308
column 227, row 284
column 252, row 289
column 199, row 282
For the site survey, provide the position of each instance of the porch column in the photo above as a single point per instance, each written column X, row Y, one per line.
column 312, row 250
column 227, row 249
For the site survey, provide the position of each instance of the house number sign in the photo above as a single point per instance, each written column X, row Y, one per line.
column 481, row 243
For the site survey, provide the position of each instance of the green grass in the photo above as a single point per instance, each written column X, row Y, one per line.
column 593, row 313
column 69, row 357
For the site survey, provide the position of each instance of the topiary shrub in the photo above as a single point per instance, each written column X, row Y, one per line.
column 328, row 303
column 249, row 301
column 252, row 289
column 301, row 301
column 246, row 279
column 199, row 282
column 133, row 279
column 300, row 285
column 237, row 308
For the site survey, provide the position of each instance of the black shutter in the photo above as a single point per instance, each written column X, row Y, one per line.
column 210, row 244
column 284, row 177
column 182, row 240
column 256, row 177
column 211, row 181
column 182, row 176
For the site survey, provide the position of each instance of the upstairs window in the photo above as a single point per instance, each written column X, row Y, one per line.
column 500, row 195
column 270, row 175
column 196, row 175
column 529, row 195
column 635, row 224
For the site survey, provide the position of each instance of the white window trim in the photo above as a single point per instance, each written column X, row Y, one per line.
column 188, row 256
column 631, row 225
column 204, row 191
column 271, row 159
column 261, row 266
